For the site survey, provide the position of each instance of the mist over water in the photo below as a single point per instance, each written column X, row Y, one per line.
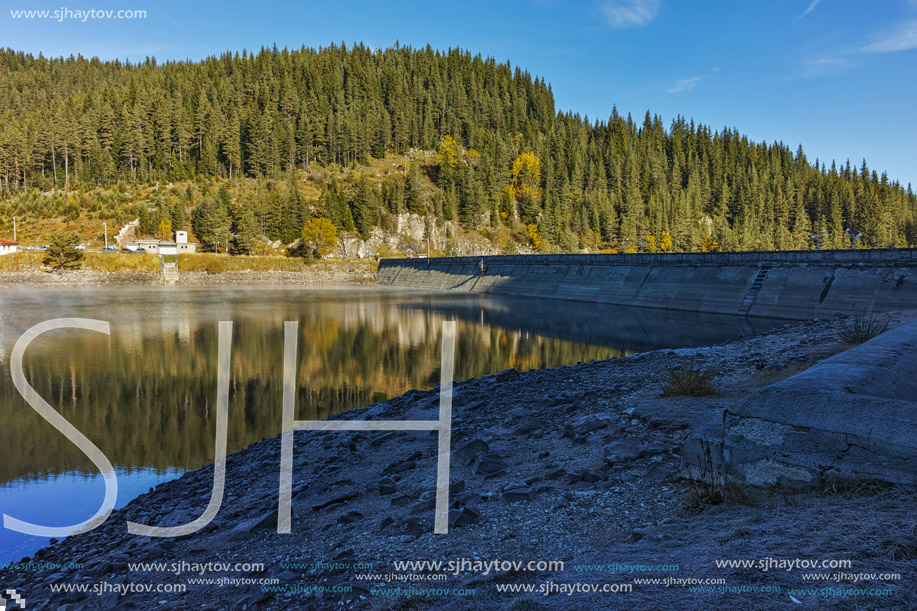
column 144, row 394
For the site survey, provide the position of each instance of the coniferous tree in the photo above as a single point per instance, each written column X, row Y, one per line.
column 245, row 230
column 63, row 252
column 210, row 223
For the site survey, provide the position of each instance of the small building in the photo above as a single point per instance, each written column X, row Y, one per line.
column 181, row 241
column 151, row 246
column 155, row 246
column 7, row 247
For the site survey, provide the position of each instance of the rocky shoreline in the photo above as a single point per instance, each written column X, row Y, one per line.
column 578, row 465
column 344, row 275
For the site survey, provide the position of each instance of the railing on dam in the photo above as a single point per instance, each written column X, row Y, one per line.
column 870, row 257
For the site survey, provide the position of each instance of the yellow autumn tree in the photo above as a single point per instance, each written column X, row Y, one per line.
column 319, row 236
column 526, row 186
column 534, row 236
column 447, row 152
column 665, row 241
column 651, row 245
column 165, row 230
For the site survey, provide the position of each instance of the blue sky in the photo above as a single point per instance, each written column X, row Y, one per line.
column 837, row 76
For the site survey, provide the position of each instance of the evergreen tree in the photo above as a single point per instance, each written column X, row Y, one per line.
column 210, row 223
column 63, row 252
column 245, row 230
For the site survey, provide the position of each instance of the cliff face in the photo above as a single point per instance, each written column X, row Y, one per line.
column 414, row 236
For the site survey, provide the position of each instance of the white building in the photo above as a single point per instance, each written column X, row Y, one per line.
column 7, row 247
column 155, row 246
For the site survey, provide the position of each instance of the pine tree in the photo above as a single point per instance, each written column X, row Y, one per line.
column 245, row 230
column 63, row 252
column 210, row 223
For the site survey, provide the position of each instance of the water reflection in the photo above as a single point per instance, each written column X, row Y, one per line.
column 628, row 329
column 144, row 394
column 60, row 499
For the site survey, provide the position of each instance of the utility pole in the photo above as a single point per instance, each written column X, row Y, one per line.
column 817, row 238
column 853, row 238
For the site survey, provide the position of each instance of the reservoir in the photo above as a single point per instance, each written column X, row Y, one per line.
column 145, row 393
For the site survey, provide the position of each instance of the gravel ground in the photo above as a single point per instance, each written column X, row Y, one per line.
column 576, row 464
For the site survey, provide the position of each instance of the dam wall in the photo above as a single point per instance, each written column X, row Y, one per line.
column 793, row 285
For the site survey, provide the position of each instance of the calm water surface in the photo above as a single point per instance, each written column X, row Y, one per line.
column 144, row 394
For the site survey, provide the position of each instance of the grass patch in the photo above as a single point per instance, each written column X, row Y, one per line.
column 210, row 263
column 861, row 329
column 216, row 264
column 854, row 487
column 213, row 263
column 121, row 262
column 689, row 381
column 902, row 548
column 21, row 262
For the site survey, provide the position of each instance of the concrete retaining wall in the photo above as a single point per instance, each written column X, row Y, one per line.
column 799, row 284
column 850, row 417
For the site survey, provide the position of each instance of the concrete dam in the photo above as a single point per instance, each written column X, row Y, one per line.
column 795, row 285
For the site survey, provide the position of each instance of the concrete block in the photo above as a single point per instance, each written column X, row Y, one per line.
column 853, row 416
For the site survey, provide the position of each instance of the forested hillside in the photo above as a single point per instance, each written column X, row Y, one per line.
column 477, row 142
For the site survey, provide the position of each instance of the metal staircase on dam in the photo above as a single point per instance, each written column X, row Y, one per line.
column 753, row 291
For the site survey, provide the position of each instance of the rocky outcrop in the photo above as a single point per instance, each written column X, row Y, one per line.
column 414, row 235
column 126, row 234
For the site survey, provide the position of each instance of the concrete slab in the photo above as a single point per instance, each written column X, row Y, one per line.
column 853, row 416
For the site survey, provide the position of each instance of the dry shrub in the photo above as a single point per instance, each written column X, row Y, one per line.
column 689, row 381
column 861, row 329
column 711, row 486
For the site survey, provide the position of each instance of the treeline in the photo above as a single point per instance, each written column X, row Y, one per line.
column 498, row 152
